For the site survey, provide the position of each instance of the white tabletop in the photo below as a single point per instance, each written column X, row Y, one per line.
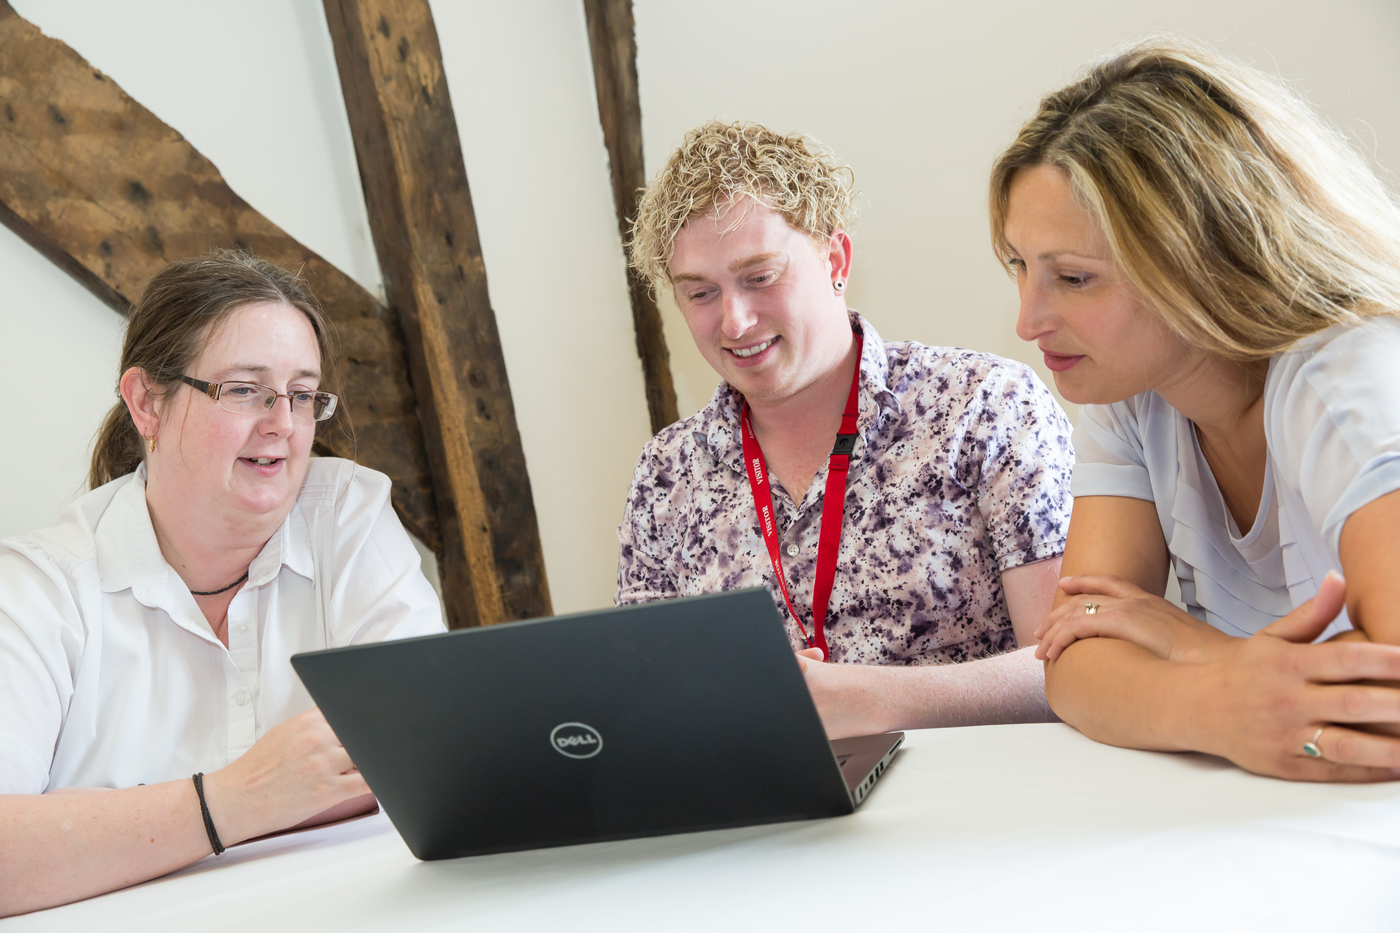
column 991, row 828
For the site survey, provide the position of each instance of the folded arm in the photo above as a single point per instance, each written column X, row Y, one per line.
column 1255, row 701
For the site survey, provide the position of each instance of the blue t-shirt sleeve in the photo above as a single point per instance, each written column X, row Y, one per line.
column 1333, row 411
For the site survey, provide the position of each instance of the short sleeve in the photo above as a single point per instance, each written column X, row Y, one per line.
column 1023, row 491
column 39, row 646
column 380, row 591
column 1109, row 455
column 645, row 562
column 1333, row 411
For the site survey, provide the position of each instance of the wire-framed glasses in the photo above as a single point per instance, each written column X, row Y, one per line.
column 249, row 398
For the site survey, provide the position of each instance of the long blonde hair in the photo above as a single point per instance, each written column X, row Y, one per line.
column 1230, row 206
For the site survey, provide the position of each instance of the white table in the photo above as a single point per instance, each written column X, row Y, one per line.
column 992, row 828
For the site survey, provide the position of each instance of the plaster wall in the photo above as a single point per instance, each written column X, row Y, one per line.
column 918, row 97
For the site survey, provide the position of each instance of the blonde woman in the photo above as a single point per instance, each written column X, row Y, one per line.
column 1214, row 275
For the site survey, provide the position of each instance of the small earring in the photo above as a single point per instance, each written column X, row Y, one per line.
column 152, row 442
column 840, row 285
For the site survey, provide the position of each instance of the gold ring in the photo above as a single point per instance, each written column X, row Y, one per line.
column 1311, row 748
column 1090, row 608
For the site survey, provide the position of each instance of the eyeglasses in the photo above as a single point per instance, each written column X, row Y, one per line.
column 249, row 398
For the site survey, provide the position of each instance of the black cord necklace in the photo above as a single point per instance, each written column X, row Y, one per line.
column 224, row 590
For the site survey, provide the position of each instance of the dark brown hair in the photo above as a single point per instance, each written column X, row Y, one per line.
column 170, row 326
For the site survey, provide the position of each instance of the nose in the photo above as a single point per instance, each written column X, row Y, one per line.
column 1034, row 317
column 738, row 316
column 278, row 420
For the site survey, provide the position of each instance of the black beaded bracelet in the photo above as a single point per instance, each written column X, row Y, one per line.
column 208, row 820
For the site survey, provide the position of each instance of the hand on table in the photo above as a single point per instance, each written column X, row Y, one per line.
column 1258, row 700
column 294, row 774
column 1126, row 612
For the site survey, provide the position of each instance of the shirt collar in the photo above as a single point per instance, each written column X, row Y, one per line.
column 129, row 557
column 718, row 428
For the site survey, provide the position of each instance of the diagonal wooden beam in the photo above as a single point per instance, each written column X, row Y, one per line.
column 611, row 36
column 98, row 184
column 420, row 209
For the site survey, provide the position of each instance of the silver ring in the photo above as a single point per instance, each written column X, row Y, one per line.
column 1090, row 608
column 1310, row 748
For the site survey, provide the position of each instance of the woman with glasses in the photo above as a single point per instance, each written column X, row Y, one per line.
column 1214, row 274
column 149, row 713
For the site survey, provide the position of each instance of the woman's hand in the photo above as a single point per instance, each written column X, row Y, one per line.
column 1126, row 612
column 1262, row 698
column 297, row 770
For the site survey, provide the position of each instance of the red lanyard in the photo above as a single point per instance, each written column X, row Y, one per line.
column 833, row 508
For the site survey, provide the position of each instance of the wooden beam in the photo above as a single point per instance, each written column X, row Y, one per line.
column 611, row 36
column 98, row 184
column 424, row 227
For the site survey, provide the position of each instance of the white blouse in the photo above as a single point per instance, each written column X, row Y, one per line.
column 110, row 676
column 1332, row 423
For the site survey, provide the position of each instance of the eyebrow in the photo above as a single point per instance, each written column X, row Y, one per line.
column 738, row 264
column 734, row 266
column 1048, row 255
column 253, row 368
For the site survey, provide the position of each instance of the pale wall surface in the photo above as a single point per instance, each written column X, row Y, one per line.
column 256, row 91
column 918, row 97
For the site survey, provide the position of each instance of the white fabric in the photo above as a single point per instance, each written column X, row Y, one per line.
column 1025, row 829
column 110, row 676
column 1332, row 422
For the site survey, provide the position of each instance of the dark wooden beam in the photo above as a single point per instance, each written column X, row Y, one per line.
column 420, row 210
column 611, row 37
column 98, row 184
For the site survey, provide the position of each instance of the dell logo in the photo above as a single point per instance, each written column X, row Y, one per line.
column 576, row 740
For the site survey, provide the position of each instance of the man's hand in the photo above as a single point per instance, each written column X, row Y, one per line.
column 1126, row 612
column 847, row 695
column 297, row 770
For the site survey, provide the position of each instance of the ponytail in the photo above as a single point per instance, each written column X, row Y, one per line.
column 118, row 450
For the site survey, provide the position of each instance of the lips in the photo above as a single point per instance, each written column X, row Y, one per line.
column 267, row 466
column 1059, row 362
column 753, row 353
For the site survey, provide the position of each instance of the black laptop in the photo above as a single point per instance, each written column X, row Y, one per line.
column 668, row 717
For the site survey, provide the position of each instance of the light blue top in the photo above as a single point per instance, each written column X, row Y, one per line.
column 1332, row 422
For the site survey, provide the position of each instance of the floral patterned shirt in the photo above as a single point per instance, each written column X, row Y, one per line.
column 961, row 470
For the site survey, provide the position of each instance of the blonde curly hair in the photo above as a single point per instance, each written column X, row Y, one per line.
column 720, row 163
column 1242, row 218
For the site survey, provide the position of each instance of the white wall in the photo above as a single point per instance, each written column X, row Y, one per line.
column 254, row 87
column 918, row 97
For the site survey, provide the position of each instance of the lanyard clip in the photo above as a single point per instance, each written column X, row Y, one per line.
column 845, row 445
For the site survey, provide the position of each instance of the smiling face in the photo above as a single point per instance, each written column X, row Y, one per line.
column 1102, row 343
column 760, row 300
column 243, row 469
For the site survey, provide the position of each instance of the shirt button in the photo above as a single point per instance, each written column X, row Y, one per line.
column 243, row 630
column 241, row 698
column 793, row 550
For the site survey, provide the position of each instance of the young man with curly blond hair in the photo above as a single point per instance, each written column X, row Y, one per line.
column 955, row 497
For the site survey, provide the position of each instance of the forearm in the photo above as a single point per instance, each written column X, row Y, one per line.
column 1121, row 694
column 867, row 699
column 58, row 848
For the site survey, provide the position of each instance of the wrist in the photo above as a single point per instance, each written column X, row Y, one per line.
column 1185, row 710
column 228, row 809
